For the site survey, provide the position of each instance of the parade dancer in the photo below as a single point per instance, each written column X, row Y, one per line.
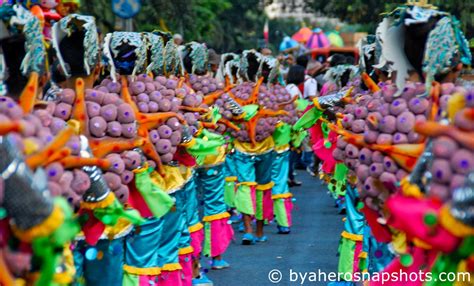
column 210, row 173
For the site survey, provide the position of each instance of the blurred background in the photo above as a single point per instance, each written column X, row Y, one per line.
column 232, row 25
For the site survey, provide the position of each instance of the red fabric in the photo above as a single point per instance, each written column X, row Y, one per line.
column 137, row 202
column 407, row 214
column 186, row 263
column 184, row 158
column 197, row 238
column 357, row 251
column 171, row 278
column 381, row 233
column 289, row 209
column 301, row 87
column 267, row 204
column 147, row 280
column 323, row 153
column 222, row 234
column 93, row 228
column 4, row 232
column 422, row 261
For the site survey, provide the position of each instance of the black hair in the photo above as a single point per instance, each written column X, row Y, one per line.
column 415, row 42
column 125, row 60
column 72, row 51
column 295, row 75
column 302, row 61
column 226, row 59
column 266, row 70
column 14, row 52
column 188, row 63
column 337, row 59
column 369, row 69
column 165, row 35
column 253, row 66
column 350, row 60
column 345, row 77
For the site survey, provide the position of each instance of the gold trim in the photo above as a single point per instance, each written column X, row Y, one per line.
column 421, row 244
column 265, row 187
column 142, row 271
column 99, row 205
column 191, row 143
column 171, row 267
column 231, row 179
column 250, row 184
column 48, row 226
column 454, row 226
column 351, row 236
column 282, row 196
column 198, row 226
column 185, row 250
column 282, row 148
column 210, row 218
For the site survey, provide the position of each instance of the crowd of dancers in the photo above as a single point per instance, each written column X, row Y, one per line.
column 110, row 142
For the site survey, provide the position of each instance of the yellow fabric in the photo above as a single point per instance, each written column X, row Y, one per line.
column 265, row 187
column 351, row 236
column 142, row 271
column 282, row 148
column 247, row 184
column 199, row 131
column 173, row 180
column 215, row 159
column 171, row 267
column 63, row 278
column 231, row 179
column 363, row 254
column 316, row 103
column 242, row 115
column 186, row 250
column 69, row 261
column 48, row 226
column 421, row 244
column 99, row 205
column 58, row 278
column 462, row 268
column 455, row 103
column 259, row 148
column 454, row 226
column 118, row 229
column 189, row 144
column 410, row 190
column 30, row 146
column 196, row 227
column 215, row 217
column 399, row 242
column 282, row 196
column 141, row 170
column 111, row 232
column 186, row 172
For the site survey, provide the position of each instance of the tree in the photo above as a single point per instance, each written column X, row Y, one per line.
column 368, row 11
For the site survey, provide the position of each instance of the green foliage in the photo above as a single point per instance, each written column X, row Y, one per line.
column 368, row 11
column 223, row 24
column 229, row 25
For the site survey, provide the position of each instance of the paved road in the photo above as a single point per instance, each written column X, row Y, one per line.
column 312, row 244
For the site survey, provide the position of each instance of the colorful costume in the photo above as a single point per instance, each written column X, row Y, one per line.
column 411, row 174
column 209, row 175
column 281, row 196
column 253, row 195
